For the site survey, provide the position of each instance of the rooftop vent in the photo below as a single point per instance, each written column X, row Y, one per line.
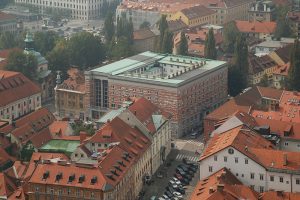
column 94, row 180
column 72, row 177
column 110, row 176
column 121, row 163
column 117, row 167
column 114, row 172
column 46, row 175
column 81, row 178
column 59, row 176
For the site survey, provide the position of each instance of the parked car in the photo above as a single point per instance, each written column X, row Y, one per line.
column 194, row 135
column 178, row 182
column 178, row 176
column 185, row 169
column 178, row 195
column 169, row 194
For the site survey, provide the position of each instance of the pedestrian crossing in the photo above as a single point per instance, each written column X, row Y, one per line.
column 198, row 143
column 179, row 157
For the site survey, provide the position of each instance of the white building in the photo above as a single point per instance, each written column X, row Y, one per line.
column 18, row 95
column 253, row 160
column 153, row 122
column 79, row 9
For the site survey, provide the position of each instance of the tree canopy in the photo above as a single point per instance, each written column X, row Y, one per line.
column 162, row 46
column 44, row 42
column 109, row 27
column 167, row 43
column 293, row 80
column 183, row 45
column 85, row 50
column 230, row 34
column 20, row 62
column 210, row 50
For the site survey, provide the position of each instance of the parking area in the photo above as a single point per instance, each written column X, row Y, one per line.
column 159, row 184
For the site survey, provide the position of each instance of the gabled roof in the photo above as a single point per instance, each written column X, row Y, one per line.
column 75, row 81
column 255, row 26
column 4, row 157
column 143, row 34
column 279, row 195
column 259, row 64
column 15, row 86
column 222, row 185
column 144, row 110
column 197, row 11
column 32, row 127
column 5, row 16
column 130, row 139
column 284, row 53
column 7, row 187
column 240, row 138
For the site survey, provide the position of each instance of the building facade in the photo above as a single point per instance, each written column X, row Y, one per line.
column 8, row 23
column 69, row 96
column 19, row 95
column 78, row 9
column 186, row 87
column 261, row 11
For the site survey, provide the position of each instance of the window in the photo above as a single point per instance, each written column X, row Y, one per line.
column 230, row 151
column 92, row 194
column 272, row 178
column 261, row 189
column 252, row 187
column 281, row 179
column 225, row 158
column 236, row 159
column 69, row 191
column 246, row 161
column 210, row 168
column 252, row 175
column 297, row 181
column 286, row 144
column 261, row 177
column 78, row 193
column 93, row 144
column 215, row 158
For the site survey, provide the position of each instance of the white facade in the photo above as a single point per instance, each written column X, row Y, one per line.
column 139, row 16
column 80, row 9
column 20, row 107
column 160, row 141
column 249, row 172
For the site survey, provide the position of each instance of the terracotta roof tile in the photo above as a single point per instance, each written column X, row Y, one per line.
column 144, row 109
column 15, row 86
column 274, row 195
column 223, row 185
column 143, row 34
column 282, row 70
column 255, row 26
column 4, row 157
column 197, row 11
column 75, row 82
column 4, row 16
column 7, row 187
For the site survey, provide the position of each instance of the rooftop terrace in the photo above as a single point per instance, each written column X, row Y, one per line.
column 159, row 68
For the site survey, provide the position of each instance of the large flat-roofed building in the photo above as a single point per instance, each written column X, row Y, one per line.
column 187, row 87
column 79, row 9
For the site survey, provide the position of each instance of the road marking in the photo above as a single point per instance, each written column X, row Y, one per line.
column 188, row 157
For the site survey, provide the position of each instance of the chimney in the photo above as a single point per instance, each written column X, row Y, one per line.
column 211, row 190
column 246, row 148
column 285, row 159
column 82, row 136
column 220, row 187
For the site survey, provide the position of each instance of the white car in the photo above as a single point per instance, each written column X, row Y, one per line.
column 176, row 181
column 178, row 195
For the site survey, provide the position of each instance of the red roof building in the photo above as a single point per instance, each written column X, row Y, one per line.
column 256, row 28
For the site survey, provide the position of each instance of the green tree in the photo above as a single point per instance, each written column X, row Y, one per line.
column 283, row 29
column 241, row 55
column 85, row 50
column 7, row 40
column 234, row 81
column 58, row 58
column 121, row 49
column 163, row 27
column 167, row 43
column 21, row 62
column 230, row 34
column 45, row 41
column 210, row 50
column 145, row 25
column 280, row 12
column 183, row 45
column 26, row 152
column 109, row 27
column 293, row 80
column 4, row 3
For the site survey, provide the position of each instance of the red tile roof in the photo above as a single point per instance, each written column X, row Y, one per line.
column 7, row 187
column 32, row 127
column 279, row 195
column 39, row 156
column 282, row 70
column 17, row 171
column 255, row 26
column 60, row 129
column 4, row 157
column 222, row 185
column 143, row 34
column 17, row 195
column 75, row 82
column 197, row 12
column 129, row 138
column 15, row 86
column 4, row 16
column 239, row 138
column 144, row 109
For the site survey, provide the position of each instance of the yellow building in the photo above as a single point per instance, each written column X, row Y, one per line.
column 196, row 16
column 260, row 67
column 69, row 96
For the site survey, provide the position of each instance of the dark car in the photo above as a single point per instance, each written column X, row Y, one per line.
column 169, row 194
column 178, row 188
column 180, row 171
column 178, row 176
column 185, row 181
column 185, row 170
column 191, row 164
column 170, row 189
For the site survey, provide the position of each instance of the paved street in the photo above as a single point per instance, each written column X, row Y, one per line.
column 184, row 148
